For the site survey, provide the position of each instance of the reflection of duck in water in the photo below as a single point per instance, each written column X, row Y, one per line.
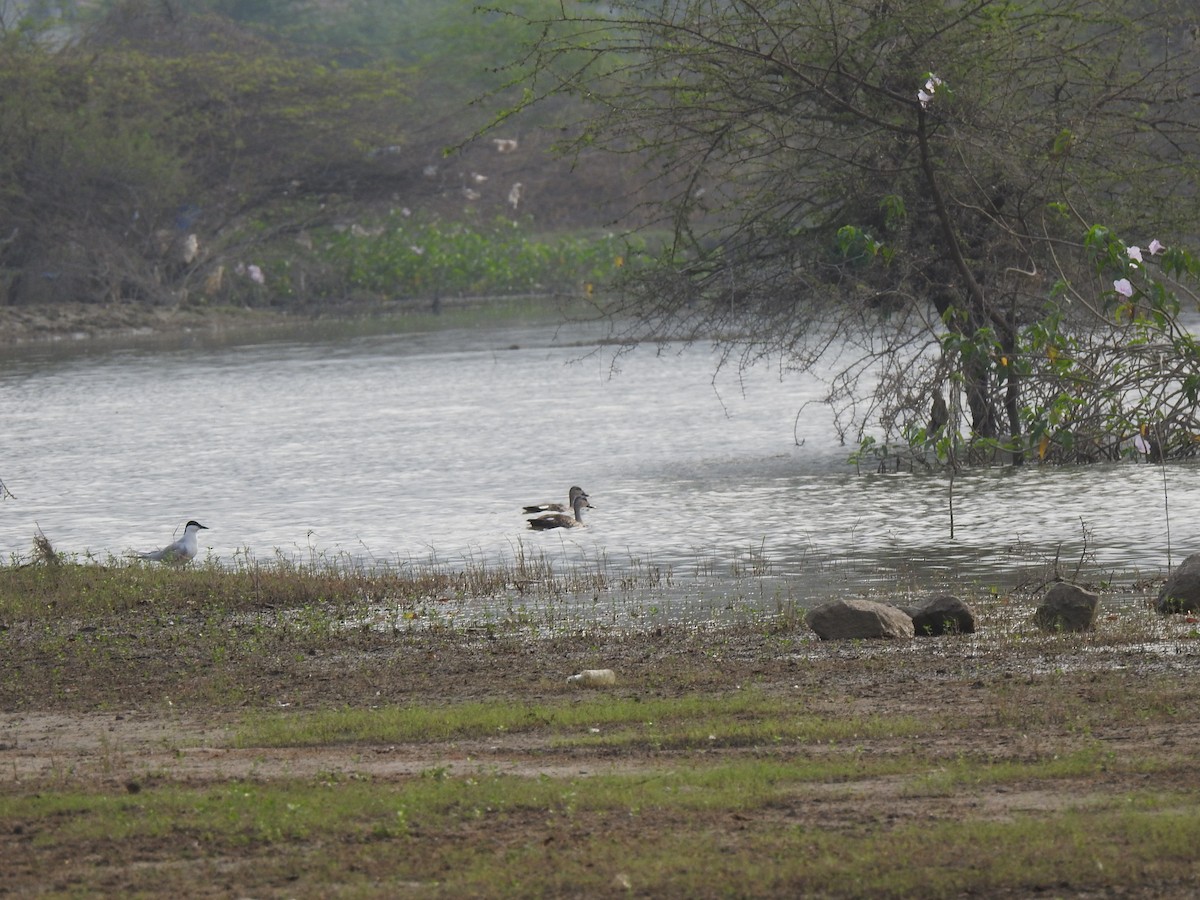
column 562, row 520
column 557, row 507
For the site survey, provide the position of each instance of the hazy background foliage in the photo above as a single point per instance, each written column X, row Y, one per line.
column 155, row 150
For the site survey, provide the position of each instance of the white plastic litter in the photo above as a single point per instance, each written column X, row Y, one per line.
column 594, row 678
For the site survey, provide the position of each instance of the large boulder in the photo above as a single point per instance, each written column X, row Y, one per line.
column 944, row 614
column 1181, row 593
column 1067, row 607
column 851, row 619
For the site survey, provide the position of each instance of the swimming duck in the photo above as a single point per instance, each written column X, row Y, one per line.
column 562, row 520
column 557, row 507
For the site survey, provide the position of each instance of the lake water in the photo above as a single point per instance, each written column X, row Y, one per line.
column 415, row 447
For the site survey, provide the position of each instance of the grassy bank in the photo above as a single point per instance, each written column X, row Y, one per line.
column 257, row 732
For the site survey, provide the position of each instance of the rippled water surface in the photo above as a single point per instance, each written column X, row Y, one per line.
column 420, row 446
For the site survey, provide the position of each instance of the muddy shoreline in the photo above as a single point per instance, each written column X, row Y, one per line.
column 134, row 707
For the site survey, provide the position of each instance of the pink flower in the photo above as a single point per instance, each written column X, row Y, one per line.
column 1123, row 287
column 1134, row 254
column 1156, row 247
column 255, row 274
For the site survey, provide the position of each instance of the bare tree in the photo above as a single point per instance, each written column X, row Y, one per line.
column 897, row 191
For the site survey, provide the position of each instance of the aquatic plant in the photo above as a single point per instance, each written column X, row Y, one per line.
column 404, row 256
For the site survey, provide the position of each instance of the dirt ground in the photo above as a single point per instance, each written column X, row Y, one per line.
column 90, row 732
column 102, row 710
column 50, row 727
column 74, row 322
column 122, row 324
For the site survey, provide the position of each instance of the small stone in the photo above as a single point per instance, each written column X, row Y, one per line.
column 944, row 614
column 1181, row 593
column 1067, row 607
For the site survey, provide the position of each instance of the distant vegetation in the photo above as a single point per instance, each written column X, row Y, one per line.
column 435, row 258
column 281, row 152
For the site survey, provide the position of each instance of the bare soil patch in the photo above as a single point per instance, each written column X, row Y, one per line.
column 150, row 706
column 126, row 693
column 131, row 706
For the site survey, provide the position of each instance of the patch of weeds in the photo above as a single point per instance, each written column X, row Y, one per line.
column 951, row 776
column 660, row 833
column 411, row 256
column 744, row 718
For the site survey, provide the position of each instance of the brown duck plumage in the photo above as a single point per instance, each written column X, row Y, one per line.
column 547, row 521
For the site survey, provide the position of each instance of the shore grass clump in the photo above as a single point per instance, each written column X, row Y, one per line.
column 50, row 586
column 81, row 590
column 320, row 594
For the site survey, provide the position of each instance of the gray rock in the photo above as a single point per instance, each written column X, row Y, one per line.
column 1067, row 607
column 1181, row 593
column 852, row 619
column 944, row 614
